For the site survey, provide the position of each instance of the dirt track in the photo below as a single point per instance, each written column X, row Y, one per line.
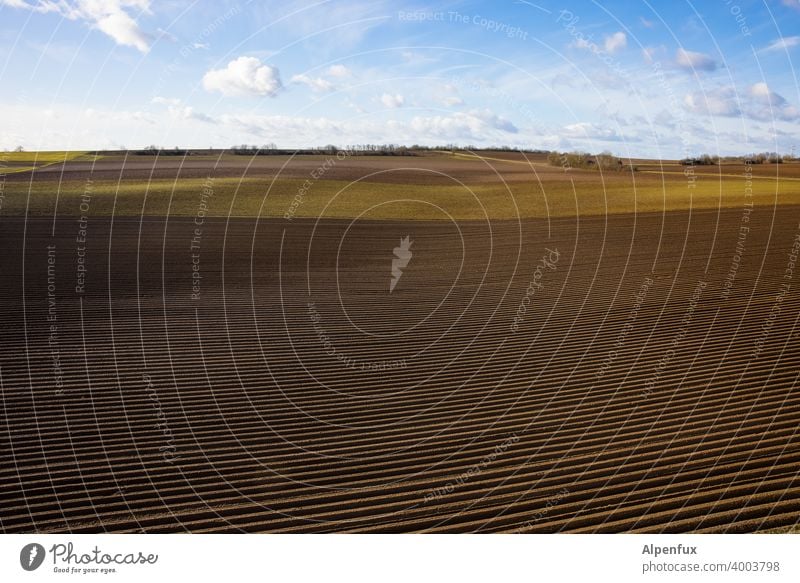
column 296, row 394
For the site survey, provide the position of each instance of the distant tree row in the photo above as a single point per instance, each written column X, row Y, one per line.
column 759, row 158
column 602, row 161
column 471, row 148
column 764, row 157
column 369, row 150
column 247, row 150
column 156, row 151
column 703, row 160
column 330, row 149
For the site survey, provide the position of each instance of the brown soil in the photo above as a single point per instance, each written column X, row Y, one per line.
column 434, row 168
column 230, row 413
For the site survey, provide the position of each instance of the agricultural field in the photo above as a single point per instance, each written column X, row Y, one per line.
column 17, row 162
column 447, row 342
column 467, row 185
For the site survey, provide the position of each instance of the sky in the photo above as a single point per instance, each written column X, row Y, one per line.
column 638, row 78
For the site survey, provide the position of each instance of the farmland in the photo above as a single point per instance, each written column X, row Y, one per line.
column 468, row 186
column 210, row 344
column 16, row 162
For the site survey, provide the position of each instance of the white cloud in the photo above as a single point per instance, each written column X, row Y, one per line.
column 355, row 106
column 590, row 131
column 167, row 35
column 298, row 130
column 244, row 76
column 648, row 53
column 111, row 17
column 452, row 101
column 646, row 23
column 177, row 110
column 414, row 59
column 165, row 100
column 768, row 105
column 317, row 85
column 762, row 91
column 478, row 127
column 392, row 101
column 123, row 29
column 582, row 43
column 494, row 121
column 339, row 71
column 758, row 102
column 792, row 3
column 693, row 61
column 189, row 113
column 448, row 95
column 201, row 46
column 721, row 101
column 783, row 43
column 706, row 104
column 665, row 118
column 611, row 43
column 474, row 125
column 443, row 127
column 607, row 80
column 615, row 42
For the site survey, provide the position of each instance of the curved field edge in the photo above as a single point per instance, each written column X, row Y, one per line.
column 28, row 161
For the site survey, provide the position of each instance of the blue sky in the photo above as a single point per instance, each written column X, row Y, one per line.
column 649, row 78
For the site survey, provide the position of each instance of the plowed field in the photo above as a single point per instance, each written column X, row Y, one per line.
column 628, row 372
